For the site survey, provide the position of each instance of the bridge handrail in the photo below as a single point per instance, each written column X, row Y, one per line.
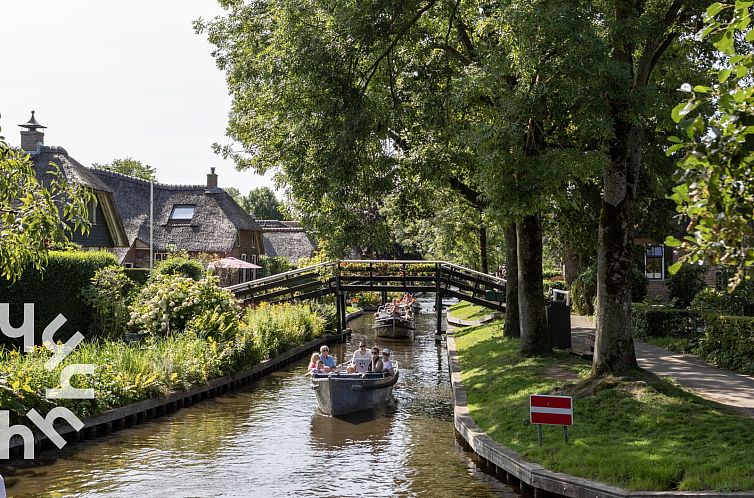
column 299, row 271
column 278, row 276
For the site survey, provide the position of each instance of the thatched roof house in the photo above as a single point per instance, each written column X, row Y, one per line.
column 287, row 239
column 192, row 218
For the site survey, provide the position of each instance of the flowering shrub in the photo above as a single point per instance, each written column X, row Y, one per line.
column 170, row 302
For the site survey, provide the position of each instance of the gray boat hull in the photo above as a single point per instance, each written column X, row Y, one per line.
column 348, row 393
column 394, row 328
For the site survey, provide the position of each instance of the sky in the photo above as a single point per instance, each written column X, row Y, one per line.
column 113, row 79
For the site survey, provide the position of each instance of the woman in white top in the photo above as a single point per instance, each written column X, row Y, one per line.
column 387, row 365
column 361, row 359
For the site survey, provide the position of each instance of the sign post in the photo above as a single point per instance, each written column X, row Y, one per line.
column 551, row 410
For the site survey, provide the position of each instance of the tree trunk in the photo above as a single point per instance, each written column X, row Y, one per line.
column 535, row 338
column 512, row 326
column 614, row 345
column 571, row 265
column 483, row 246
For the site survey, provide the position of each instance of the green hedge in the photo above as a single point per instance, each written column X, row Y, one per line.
column 728, row 342
column 56, row 289
column 663, row 321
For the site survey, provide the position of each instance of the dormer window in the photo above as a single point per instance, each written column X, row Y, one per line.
column 182, row 213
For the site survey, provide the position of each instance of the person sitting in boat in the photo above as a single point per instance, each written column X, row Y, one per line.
column 360, row 360
column 318, row 368
column 327, row 360
column 313, row 361
column 387, row 365
column 375, row 365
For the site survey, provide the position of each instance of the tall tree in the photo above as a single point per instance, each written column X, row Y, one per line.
column 131, row 167
column 34, row 216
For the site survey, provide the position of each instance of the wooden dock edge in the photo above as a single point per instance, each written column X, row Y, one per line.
column 530, row 479
column 142, row 411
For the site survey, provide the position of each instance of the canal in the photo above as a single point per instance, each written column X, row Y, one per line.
column 269, row 440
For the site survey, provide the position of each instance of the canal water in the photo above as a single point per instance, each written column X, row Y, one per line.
column 269, row 440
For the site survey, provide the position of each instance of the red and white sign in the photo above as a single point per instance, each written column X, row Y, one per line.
column 552, row 410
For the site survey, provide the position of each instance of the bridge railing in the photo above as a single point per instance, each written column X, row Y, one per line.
column 341, row 277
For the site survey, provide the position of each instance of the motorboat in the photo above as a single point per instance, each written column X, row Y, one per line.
column 340, row 393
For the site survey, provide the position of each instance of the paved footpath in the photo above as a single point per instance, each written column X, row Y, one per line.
column 722, row 386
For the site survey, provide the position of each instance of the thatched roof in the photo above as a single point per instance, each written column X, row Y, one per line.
column 72, row 170
column 287, row 239
column 213, row 227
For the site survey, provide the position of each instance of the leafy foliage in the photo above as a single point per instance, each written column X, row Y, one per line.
column 712, row 301
column 685, row 284
column 716, row 173
column 584, row 291
column 272, row 265
column 729, row 342
column 180, row 264
column 56, row 289
column 130, row 167
column 170, row 302
column 663, row 321
column 108, row 295
column 33, row 217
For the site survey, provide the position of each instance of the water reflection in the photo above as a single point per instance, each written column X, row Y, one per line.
column 270, row 440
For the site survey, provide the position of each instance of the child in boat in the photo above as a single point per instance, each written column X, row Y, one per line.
column 313, row 360
column 318, row 368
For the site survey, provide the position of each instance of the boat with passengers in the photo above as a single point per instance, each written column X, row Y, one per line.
column 394, row 321
column 341, row 393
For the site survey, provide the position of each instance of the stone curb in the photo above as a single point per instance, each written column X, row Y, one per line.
column 142, row 411
column 532, row 478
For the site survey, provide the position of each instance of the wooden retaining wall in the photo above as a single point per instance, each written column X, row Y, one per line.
column 531, row 479
column 142, row 411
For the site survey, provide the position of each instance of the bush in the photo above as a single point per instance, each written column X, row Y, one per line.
column 729, row 342
column 180, row 265
column 54, row 290
column 639, row 284
column 721, row 302
column 171, row 301
column 366, row 299
column 272, row 265
column 685, row 284
column 552, row 283
column 278, row 327
column 139, row 276
column 584, row 291
column 108, row 295
column 663, row 321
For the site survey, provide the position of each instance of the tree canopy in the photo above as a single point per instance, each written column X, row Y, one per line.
column 131, row 167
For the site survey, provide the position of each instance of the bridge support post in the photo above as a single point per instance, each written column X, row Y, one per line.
column 343, row 311
column 438, row 303
column 338, row 302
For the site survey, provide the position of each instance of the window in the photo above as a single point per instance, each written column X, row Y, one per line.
column 161, row 256
column 182, row 213
column 128, row 265
column 253, row 239
column 244, row 272
column 654, row 262
column 254, row 258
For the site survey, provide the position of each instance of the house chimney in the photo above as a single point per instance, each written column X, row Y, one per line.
column 32, row 136
column 212, row 179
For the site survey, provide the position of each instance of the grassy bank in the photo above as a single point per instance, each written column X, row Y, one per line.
column 639, row 434
column 130, row 372
column 467, row 311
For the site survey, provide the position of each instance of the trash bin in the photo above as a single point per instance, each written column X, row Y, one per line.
column 559, row 324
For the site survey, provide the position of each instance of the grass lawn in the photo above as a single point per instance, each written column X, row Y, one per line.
column 467, row 311
column 642, row 433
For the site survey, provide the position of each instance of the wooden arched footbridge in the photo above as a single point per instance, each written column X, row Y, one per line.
column 348, row 276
